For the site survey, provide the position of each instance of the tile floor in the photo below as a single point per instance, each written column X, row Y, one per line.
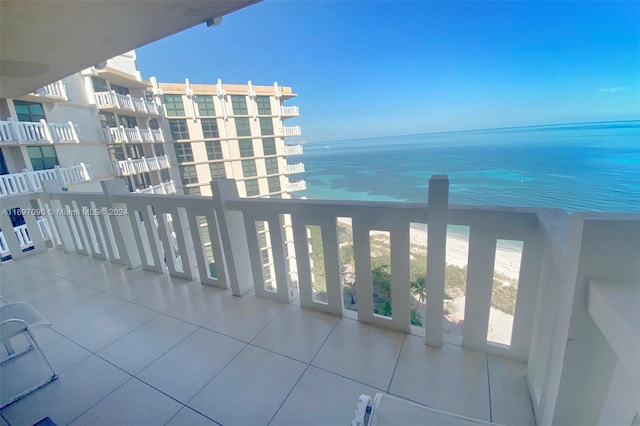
column 140, row 348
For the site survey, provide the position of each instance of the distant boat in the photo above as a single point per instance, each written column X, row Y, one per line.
column 327, row 146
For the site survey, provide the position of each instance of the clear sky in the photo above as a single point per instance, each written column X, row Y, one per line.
column 368, row 68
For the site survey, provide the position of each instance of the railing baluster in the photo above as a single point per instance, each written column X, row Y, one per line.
column 362, row 259
column 400, row 280
column 331, row 257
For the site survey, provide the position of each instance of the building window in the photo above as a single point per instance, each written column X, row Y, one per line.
column 214, row 150
column 239, row 104
column 99, row 84
column 29, row 111
column 210, row 128
column 266, row 271
column 264, row 105
column 158, row 149
column 246, row 147
column 269, row 146
column 249, row 168
column 133, row 150
column 264, row 253
column 165, row 176
column 174, row 105
column 217, row 170
column 205, row 105
column 42, row 157
column 276, row 196
column 119, row 89
column 108, row 119
column 274, row 184
column 153, row 124
column 272, row 165
column 128, row 121
column 252, row 187
column 193, row 190
column 266, row 126
column 4, row 170
column 188, row 174
column 184, row 153
column 179, row 129
column 243, row 128
column 116, row 153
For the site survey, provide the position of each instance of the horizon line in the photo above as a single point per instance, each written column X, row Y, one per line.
column 484, row 128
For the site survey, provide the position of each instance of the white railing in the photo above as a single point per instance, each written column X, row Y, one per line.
column 293, row 150
column 291, row 169
column 130, row 166
column 56, row 90
column 38, row 132
column 31, row 181
column 289, row 111
column 300, row 185
column 115, row 100
column 291, row 131
column 164, row 188
column 22, row 235
column 123, row 134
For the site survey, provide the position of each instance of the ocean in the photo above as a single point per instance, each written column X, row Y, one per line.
column 575, row 167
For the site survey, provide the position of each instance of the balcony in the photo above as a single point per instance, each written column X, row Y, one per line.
column 130, row 166
column 300, row 185
column 29, row 133
column 291, row 131
column 164, row 188
column 142, row 319
column 115, row 101
column 123, row 134
column 30, row 181
column 54, row 92
column 289, row 111
column 292, row 169
column 293, row 150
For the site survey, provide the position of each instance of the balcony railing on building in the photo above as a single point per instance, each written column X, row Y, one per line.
column 31, row 181
column 164, row 188
column 293, row 150
column 551, row 326
column 289, row 111
column 123, row 134
column 113, row 100
column 291, row 169
column 42, row 132
column 300, row 185
column 55, row 91
column 291, row 131
column 130, row 166
column 24, row 239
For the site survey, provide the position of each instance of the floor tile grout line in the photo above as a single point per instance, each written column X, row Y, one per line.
column 404, row 338
column 288, row 394
column 325, row 340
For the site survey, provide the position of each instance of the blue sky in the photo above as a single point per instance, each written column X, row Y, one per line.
column 368, row 68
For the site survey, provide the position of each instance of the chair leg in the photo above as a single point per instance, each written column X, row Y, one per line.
column 8, row 347
column 37, row 346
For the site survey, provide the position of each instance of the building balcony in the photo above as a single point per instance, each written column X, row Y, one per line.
column 30, row 181
column 291, row 131
column 164, row 188
column 117, row 102
column 29, row 133
column 292, row 169
column 289, row 111
column 54, row 92
column 293, row 150
column 300, row 185
column 145, row 322
column 123, row 134
column 130, row 166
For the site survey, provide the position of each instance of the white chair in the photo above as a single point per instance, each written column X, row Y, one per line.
column 15, row 319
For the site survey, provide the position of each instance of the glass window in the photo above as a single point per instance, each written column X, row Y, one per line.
column 266, row 126
column 249, row 168
column 153, row 124
column 164, row 175
column 214, row 150
column 252, row 187
column 99, row 84
column 42, row 157
column 128, row 121
column 217, row 170
column 116, row 153
column 272, row 165
column 239, row 104
column 209, row 127
column 158, row 149
column 133, row 150
column 205, row 105
column 3, row 165
column 29, row 111
column 262, row 240
column 274, row 184
column 243, row 128
column 179, row 129
column 264, row 105
column 184, row 153
column 269, row 146
column 174, row 105
column 188, row 174
column 193, row 190
column 119, row 89
column 108, row 119
column 246, row 147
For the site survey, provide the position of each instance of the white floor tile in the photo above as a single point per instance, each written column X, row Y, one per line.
column 185, row 369
column 82, row 313
column 250, row 389
column 361, row 352
column 510, row 400
column 203, row 305
column 167, row 294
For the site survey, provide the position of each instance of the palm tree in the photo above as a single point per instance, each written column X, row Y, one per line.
column 419, row 288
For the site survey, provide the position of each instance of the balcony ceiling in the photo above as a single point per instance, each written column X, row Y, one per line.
column 43, row 41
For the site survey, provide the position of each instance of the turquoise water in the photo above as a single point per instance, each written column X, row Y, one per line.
column 576, row 167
